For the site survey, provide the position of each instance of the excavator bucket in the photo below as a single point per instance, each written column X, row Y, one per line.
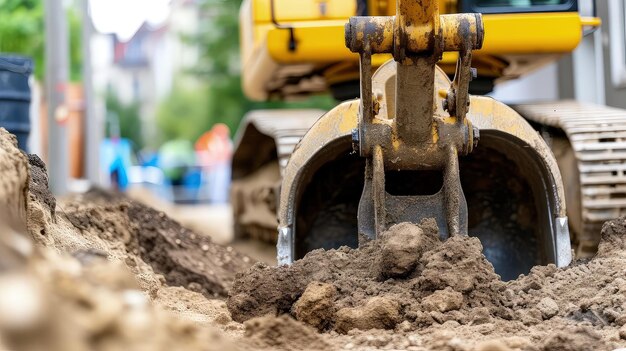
column 407, row 151
column 511, row 182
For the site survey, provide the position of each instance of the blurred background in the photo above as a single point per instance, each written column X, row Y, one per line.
column 153, row 85
column 140, row 96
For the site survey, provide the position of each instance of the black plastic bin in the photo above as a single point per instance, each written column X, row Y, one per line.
column 15, row 96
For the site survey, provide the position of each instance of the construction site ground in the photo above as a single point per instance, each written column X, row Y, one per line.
column 101, row 271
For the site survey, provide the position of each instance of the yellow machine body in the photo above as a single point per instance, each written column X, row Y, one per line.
column 515, row 43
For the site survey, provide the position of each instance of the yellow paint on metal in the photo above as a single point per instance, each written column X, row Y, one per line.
column 347, row 124
column 378, row 41
column 287, row 11
column 449, row 120
column 591, row 21
column 522, row 33
column 379, row 59
column 322, row 41
column 451, row 25
column 420, row 19
column 317, row 42
column 450, row 57
column 417, row 25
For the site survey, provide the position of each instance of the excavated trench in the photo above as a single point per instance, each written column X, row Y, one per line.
column 101, row 272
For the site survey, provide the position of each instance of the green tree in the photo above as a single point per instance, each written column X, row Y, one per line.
column 184, row 114
column 219, row 69
column 22, row 32
column 218, row 43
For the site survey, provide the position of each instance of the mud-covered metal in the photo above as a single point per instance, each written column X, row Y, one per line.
column 500, row 127
column 413, row 137
column 419, row 32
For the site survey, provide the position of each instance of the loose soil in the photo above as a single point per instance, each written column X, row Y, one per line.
column 183, row 257
column 100, row 272
column 448, row 297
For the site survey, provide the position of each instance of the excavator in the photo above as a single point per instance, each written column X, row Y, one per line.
column 413, row 135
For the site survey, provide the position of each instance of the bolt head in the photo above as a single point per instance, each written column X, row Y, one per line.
column 355, row 139
column 476, row 133
column 355, row 135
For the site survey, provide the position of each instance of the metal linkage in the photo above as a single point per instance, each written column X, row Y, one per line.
column 415, row 137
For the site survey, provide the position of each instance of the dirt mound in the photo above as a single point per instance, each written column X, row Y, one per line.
column 107, row 224
column 50, row 300
column 183, row 257
column 100, row 272
column 451, row 298
column 15, row 176
column 455, row 266
column 54, row 302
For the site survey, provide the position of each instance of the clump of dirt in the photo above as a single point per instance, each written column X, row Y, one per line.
column 452, row 299
column 315, row 307
column 38, row 186
column 378, row 312
column 401, row 249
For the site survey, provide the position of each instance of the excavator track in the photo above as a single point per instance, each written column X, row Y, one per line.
column 597, row 139
column 287, row 133
column 263, row 147
column 285, row 127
